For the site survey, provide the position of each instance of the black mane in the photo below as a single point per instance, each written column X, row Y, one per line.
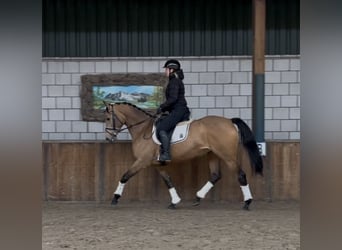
column 136, row 107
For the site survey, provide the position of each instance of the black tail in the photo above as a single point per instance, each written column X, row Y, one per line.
column 248, row 140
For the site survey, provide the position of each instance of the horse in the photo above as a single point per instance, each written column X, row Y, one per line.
column 213, row 135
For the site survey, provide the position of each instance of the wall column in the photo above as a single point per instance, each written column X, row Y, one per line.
column 259, row 27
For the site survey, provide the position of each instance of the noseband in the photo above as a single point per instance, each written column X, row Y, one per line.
column 113, row 131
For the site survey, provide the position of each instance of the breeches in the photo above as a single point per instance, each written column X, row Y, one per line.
column 169, row 122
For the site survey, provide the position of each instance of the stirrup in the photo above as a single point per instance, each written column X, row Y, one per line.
column 162, row 160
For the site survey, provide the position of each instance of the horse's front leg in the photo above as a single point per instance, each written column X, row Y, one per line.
column 175, row 199
column 133, row 170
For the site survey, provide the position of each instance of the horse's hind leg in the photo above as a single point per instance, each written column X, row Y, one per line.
column 175, row 199
column 215, row 175
column 247, row 196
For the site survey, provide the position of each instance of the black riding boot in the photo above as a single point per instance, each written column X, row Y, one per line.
column 165, row 147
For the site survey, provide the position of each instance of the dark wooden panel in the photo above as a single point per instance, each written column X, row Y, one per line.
column 91, row 171
column 284, row 162
column 70, row 172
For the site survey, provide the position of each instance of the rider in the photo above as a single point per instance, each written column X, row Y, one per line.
column 175, row 104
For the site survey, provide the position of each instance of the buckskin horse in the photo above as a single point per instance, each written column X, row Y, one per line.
column 214, row 135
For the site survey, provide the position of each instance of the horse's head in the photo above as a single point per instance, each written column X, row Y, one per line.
column 113, row 122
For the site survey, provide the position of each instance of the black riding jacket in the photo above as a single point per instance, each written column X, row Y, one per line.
column 174, row 92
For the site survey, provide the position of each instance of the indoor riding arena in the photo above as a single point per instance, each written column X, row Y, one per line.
column 239, row 58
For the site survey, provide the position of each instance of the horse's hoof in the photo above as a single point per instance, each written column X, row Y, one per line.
column 172, row 206
column 115, row 199
column 247, row 203
column 197, row 201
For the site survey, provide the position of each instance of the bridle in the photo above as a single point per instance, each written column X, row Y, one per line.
column 113, row 131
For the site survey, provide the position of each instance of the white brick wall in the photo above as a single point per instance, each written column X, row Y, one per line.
column 223, row 77
column 63, row 79
column 246, row 65
column 191, row 78
column 240, row 77
column 199, row 90
column 63, row 103
column 281, row 64
column 207, row 102
column 199, row 66
column 48, row 79
column 240, row 101
column 232, row 112
column 87, row 67
column 55, row 91
column 268, row 65
column 135, row 66
column 231, row 65
column 102, row 67
column 272, row 77
column 63, row 126
column 223, row 102
column 207, row 78
column 151, row 67
column 70, row 67
column 79, row 126
column 294, row 64
column 56, row 115
column 231, row 90
column 96, row 127
column 215, row 65
column 214, row 86
column 48, row 103
column 119, row 66
column 215, row 90
column 246, row 89
column 55, row 67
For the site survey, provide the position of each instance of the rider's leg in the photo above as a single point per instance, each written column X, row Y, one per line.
column 165, row 146
column 165, row 128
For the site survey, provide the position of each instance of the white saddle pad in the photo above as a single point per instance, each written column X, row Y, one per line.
column 180, row 133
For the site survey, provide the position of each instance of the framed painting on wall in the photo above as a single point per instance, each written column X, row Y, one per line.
column 143, row 90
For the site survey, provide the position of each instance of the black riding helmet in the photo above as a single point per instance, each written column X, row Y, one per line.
column 172, row 64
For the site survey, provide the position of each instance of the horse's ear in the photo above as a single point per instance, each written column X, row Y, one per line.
column 105, row 103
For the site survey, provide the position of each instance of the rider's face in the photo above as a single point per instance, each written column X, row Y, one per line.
column 168, row 71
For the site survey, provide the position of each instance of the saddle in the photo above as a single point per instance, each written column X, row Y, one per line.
column 179, row 134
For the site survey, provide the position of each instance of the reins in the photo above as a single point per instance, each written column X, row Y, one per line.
column 126, row 128
column 114, row 131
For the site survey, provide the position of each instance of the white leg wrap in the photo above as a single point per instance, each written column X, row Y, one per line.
column 174, row 196
column 120, row 188
column 246, row 192
column 204, row 190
